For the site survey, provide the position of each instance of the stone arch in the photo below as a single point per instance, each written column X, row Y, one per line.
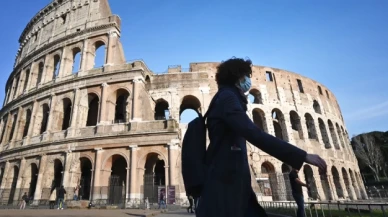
column 296, row 125
column 27, row 76
column 258, row 117
column 66, row 113
column 86, row 167
column 41, row 119
column 11, row 183
column 268, row 170
column 309, row 177
column 325, row 136
column 76, row 59
column 355, row 185
column 256, row 95
column 154, row 175
column 337, row 182
column 56, row 65
column 30, row 179
column 142, row 160
column 93, row 109
column 287, row 185
column 27, row 122
column 39, row 78
column 161, row 108
column 317, row 107
column 326, row 187
column 279, row 124
column 347, row 183
column 13, row 126
column 119, row 101
column 333, row 135
column 190, row 102
column 99, row 44
column 340, row 135
column 107, row 158
column 114, row 170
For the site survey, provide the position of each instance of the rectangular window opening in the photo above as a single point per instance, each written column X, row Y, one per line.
column 327, row 94
column 269, row 76
column 320, row 90
column 300, row 85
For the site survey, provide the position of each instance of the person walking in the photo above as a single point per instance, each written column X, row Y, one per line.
column 227, row 190
column 297, row 192
column 24, row 201
column 191, row 202
column 162, row 200
column 61, row 197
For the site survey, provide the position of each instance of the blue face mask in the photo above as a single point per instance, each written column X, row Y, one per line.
column 246, row 84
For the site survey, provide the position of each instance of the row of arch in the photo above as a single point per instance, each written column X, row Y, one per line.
column 59, row 63
column 346, row 184
column 113, row 173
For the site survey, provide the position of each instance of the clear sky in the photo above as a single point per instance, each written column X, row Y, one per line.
column 342, row 44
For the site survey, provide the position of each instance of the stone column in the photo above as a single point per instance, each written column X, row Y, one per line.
column 13, row 89
column 16, row 130
column 97, row 172
column 173, row 152
column 7, row 129
column 136, row 99
column 62, row 66
column 28, row 86
column 66, row 169
column 344, row 188
column 319, row 134
column 2, row 125
column 268, row 120
column 21, row 82
column 112, row 45
column 32, row 123
column 84, row 57
column 38, row 189
column 4, row 181
column 17, row 195
column 288, row 132
column 52, row 109
column 74, row 113
column 104, row 95
column 127, row 184
column 134, row 190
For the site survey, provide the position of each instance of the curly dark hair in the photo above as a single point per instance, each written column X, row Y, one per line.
column 229, row 71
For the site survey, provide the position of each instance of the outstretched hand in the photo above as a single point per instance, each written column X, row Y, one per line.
column 317, row 161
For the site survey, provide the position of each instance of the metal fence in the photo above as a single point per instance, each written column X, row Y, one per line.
column 324, row 209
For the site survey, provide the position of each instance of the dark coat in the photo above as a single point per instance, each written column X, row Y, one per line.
column 228, row 191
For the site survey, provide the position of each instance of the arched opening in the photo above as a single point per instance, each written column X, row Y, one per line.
column 325, row 136
column 270, row 185
column 58, row 174
column 346, row 138
column 154, row 176
column 57, row 63
column 147, row 82
column 5, row 120
column 189, row 109
column 94, row 105
column 76, row 60
column 33, row 179
column 40, row 73
column 347, row 183
column 340, row 135
column 14, row 120
column 14, row 178
column 86, row 177
column 15, row 89
column 66, row 113
column 45, row 117
column 27, row 124
column 121, row 114
column 117, row 178
column 258, row 117
column 279, row 124
column 255, row 96
column 1, row 175
column 26, row 80
column 161, row 110
column 311, row 130
column 99, row 52
column 355, row 185
column 286, row 171
column 337, row 183
column 333, row 135
column 309, row 177
column 296, row 125
column 317, row 107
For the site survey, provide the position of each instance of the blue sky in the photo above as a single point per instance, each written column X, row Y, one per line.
column 342, row 44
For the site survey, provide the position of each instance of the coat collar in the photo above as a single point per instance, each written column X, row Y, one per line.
column 242, row 97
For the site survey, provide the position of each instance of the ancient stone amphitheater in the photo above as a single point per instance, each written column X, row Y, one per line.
column 115, row 129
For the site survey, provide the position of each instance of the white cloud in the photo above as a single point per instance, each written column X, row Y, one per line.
column 377, row 110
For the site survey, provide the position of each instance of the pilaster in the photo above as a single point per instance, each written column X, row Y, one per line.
column 104, row 95
column 38, row 189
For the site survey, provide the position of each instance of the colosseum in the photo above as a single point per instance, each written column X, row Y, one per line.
column 115, row 130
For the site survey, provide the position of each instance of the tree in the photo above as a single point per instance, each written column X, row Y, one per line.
column 369, row 153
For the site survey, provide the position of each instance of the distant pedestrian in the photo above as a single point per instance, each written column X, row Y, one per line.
column 191, row 202
column 61, row 197
column 24, row 201
column 162, row 200
column 297, row 193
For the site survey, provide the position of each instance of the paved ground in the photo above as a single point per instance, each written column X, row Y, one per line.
column 78, row 213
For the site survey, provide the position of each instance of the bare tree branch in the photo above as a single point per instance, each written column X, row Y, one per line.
column 369, row 153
